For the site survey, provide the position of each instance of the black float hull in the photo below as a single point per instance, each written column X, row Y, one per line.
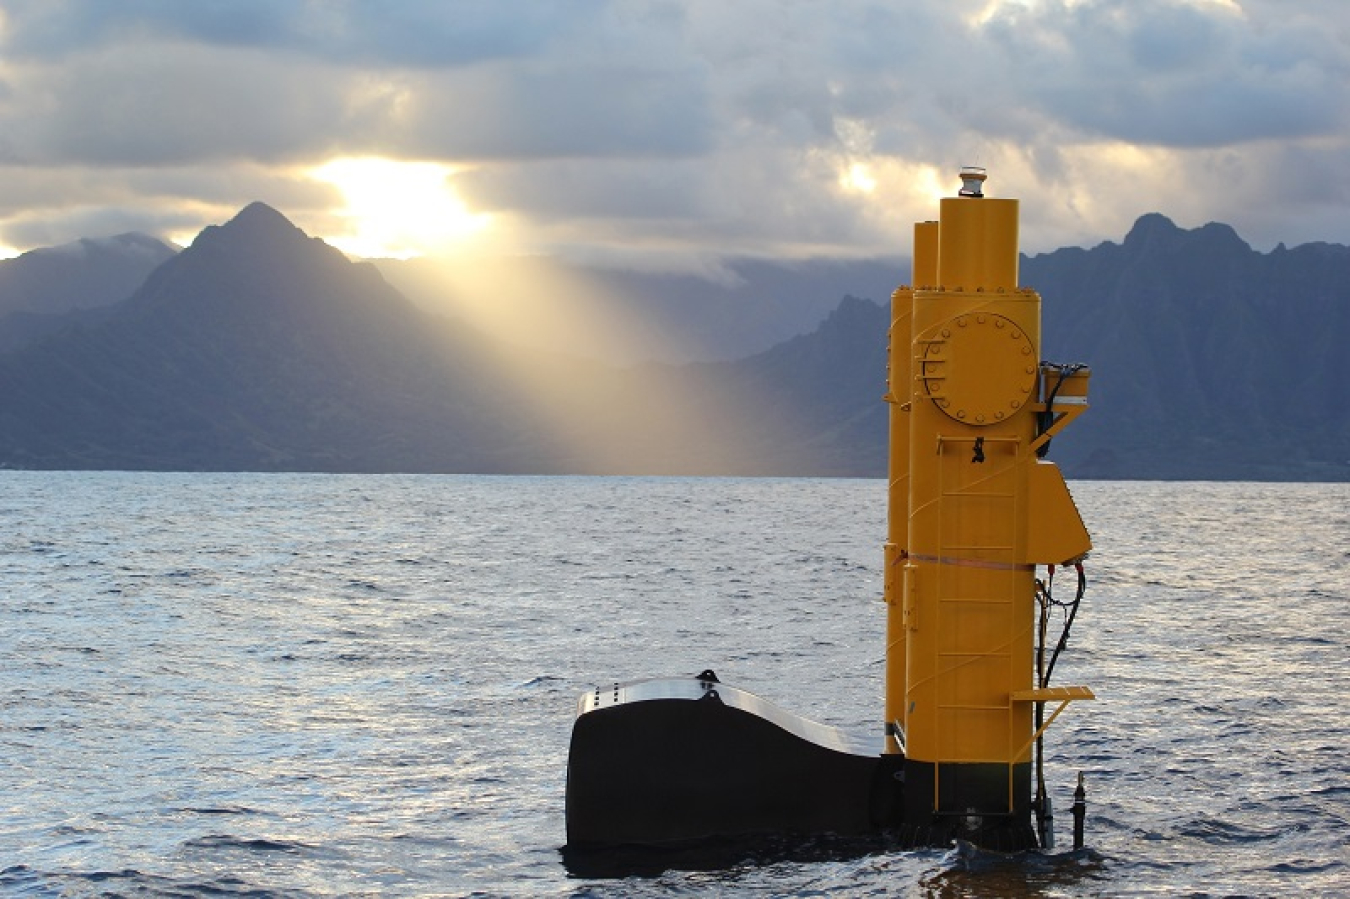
column 682, row 764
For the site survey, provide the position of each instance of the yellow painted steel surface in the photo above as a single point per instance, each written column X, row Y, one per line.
column 1055, row 530
column 897, row 527
column 925, row 254
column 961, row 543
column 977, row 244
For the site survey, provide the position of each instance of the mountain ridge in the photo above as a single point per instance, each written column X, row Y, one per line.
column 254, row 348
column 1187, row 333
column 261, row 348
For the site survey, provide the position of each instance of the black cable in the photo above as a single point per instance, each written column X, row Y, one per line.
column 1045, row 600
column 1068, row 622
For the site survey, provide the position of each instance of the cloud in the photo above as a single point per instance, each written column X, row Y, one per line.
column 702, row 127
column 356, row 33
column 593, row 111
column 176, row 103
column 51, row 205
column 1169, row 73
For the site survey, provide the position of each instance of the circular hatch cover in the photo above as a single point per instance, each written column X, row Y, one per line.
column 980, row 368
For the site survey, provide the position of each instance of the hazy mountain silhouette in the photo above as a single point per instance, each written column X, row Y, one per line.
column 259, row 348
column 51, row 288
column 255, row 348
column 79, row 275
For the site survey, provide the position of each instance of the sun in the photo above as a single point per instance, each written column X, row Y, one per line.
column 398, row 209
column 858, row 177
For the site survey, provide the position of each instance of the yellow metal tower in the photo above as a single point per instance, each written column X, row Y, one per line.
column 973, row 510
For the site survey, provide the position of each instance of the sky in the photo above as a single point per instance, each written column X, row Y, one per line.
column 670, row 135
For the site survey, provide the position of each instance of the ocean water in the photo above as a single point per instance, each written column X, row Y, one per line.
column 310, row 685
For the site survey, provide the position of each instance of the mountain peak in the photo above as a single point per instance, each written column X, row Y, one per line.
column 1221, row 236
column 258, row 217
column 256, row 224
column 1150, row 227
column 1155, row 230
column 259, row 232
column 260, row 264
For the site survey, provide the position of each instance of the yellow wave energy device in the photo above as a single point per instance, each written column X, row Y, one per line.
column 974, row 509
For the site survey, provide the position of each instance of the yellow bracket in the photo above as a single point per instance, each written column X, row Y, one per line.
column 1065, row 695
column 1067, row 411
